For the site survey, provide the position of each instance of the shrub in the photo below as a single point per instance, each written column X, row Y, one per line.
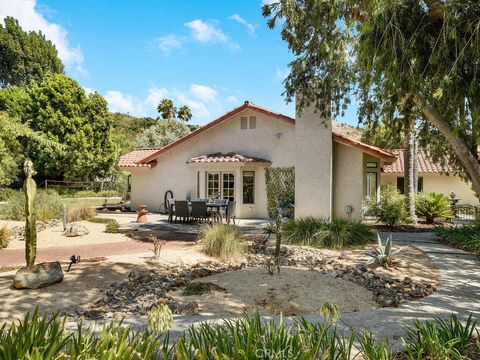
column 81, row 211
column 99, row 220
column 337, row 234
column 112, row 226
column 91, row 193
column 391, row 209
column 6, row 193
column 223, row 241
column 465, row 237
column 432, row 206
column 48, row 205
column 200, row 288
column 4, row 236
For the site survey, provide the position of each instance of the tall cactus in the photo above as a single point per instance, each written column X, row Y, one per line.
column 30, row 189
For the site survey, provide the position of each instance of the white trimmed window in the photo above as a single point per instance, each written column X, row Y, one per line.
column 253, row 122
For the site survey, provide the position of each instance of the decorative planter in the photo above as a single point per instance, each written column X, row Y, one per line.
column 142, row 214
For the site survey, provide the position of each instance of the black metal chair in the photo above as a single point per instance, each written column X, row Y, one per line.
column 182, row 210
column 199, row 210
column 171, row 209
column 230, row 212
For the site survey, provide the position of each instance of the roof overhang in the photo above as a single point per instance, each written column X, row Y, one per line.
column 386, row 156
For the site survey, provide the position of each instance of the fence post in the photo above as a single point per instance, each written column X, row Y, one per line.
column 46, row 186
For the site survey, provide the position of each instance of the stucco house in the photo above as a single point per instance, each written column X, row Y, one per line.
column 229, row 157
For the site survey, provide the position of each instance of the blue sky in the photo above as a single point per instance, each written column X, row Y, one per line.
column 209, row 55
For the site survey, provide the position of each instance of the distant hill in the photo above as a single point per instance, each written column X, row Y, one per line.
column 352, row 132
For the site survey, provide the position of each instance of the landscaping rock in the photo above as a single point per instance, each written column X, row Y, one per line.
column 190, row 308
column 37, row 276
column 75, row 229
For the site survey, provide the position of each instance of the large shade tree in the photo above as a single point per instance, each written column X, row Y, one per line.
column 25, row 55
column 390, row 53
column 59, row 108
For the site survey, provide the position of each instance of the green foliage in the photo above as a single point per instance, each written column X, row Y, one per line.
column 440, row 339
column 184, row 113
column 280, row 184
column 337, row 234
column 112, row 226
column 48, row 206
column 466, row 237
column 81, row 211
column 126, row 130
column 223, row 241
column 4, row 236
column 166, row 109
column 58, row 108
column 160, row 319
column 200, row 288
column 432, row 206
column 163, row 133
column 386, row 52
column 249, row 337
column 91, row 193
column 383, row 136
column 25, row 56
column 330, row 311
column 384, row 255
column 6, row 193
column 391, row 209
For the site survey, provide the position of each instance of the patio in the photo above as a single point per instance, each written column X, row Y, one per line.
column 159, row 226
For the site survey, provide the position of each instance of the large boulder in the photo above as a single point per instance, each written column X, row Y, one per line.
column 37, row 276
column 75, row 229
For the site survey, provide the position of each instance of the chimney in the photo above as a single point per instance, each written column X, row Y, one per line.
column 313, row 164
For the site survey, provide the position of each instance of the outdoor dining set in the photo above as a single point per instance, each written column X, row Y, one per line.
column 201, row 210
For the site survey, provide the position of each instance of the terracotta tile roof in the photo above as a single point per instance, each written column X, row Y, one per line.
column 225, row 158
column 387, row 155
column 425, row 164
column 132, row 159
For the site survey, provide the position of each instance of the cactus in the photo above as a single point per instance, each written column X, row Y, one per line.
column 30, row 189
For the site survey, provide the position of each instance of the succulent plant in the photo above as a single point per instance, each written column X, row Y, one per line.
column 383, row 255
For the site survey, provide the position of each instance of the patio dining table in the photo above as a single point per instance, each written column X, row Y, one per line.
column 214, row 208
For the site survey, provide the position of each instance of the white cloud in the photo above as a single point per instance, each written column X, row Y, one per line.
column 154, row 96
column 281, row 74
column 26, row 11
column 203, row 92
column 88, row 90
column 268, row 2
column 204, row 32
column 119, row 102
column 240, row 20
column 169, row 42
column 232, row 100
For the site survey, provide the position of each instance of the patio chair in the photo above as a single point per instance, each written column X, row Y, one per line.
column 199, row 210
column 182, row 210
column 230, row 212
column 171, row 209
column 202, row 199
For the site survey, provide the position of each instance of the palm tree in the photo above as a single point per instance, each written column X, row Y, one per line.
column 410, row 159
column 184, row 113
column 166, row 109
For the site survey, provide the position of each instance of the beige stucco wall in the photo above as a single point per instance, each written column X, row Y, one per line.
column 440, row 184
column 348, row 181
column 313, row 165
column 273, row 139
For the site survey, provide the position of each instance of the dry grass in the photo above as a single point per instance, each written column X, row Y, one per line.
column 222, row 241
column 4, row 236
column 81, row 211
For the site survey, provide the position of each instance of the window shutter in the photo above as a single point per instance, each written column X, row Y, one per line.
column 253, row 122
column 243, row 123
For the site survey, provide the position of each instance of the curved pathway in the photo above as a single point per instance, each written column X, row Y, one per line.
column 458, row 292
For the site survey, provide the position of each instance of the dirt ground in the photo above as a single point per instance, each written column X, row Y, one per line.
column 294, row 291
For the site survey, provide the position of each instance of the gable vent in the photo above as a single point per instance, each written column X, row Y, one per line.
column 243, row 123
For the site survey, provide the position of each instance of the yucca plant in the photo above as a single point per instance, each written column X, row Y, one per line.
column 81, row 211
column 112, row 226
column 223, row 241
column 371, row 349
column 432, row 206
column 383, row 255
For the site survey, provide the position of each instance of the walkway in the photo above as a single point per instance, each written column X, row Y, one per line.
column 459, row 292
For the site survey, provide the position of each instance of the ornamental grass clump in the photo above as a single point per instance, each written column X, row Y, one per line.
column 222, row 241
column 48, row 206
column 335, row 234
column 5, row 234
column 81, row 211
column 466, row 237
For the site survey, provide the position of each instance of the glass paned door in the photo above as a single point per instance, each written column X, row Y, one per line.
column 228, row 186
column 213, row 185
column 371, row 190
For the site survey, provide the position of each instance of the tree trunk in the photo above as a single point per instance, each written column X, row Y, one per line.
column 409, row 164
column 459, row 145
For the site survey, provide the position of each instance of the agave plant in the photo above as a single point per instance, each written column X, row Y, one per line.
column 383, row 255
